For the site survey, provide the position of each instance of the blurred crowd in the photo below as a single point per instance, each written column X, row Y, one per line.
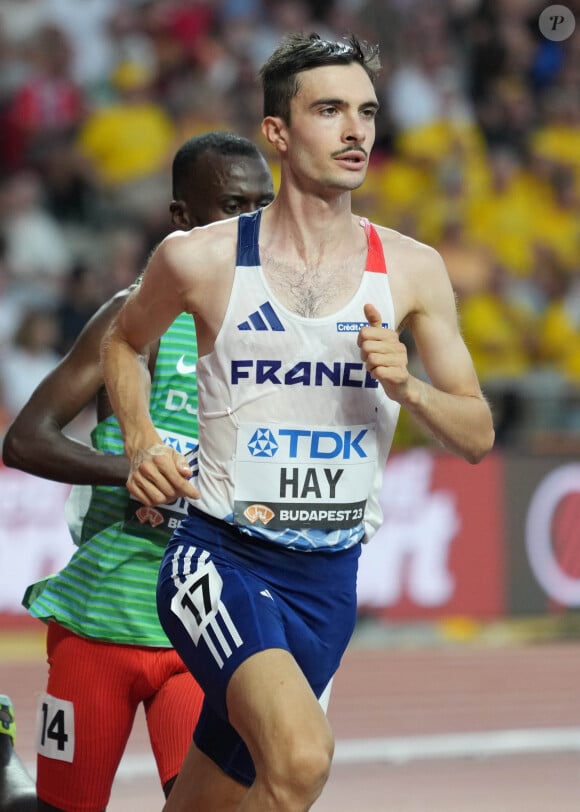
column 477, row 153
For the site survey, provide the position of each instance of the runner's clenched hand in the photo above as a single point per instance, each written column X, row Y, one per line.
column 384, row 355
column 160, row 475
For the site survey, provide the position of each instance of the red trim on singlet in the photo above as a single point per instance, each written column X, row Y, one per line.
column 375, row 257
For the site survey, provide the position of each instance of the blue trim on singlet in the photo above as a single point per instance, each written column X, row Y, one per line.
column 248, row 230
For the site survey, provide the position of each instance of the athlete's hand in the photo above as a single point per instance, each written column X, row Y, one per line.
column 384, row 355
column 159, row 475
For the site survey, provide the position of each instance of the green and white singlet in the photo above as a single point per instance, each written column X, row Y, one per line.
column 107, row 590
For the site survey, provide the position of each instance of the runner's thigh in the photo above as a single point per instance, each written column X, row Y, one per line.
column 172, row 713
column 85, row 719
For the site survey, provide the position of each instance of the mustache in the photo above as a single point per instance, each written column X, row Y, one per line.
column 347, row 150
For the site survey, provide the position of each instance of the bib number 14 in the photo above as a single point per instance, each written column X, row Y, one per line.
column 55, row 728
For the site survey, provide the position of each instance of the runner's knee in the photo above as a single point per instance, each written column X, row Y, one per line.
column 301, row 767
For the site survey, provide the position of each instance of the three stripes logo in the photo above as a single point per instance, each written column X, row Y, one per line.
column 197, row 603
column 264, row 318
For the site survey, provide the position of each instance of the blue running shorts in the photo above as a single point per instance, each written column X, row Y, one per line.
column 223, row 596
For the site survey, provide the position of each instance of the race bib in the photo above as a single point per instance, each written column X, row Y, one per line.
column 198, row 605
column 296, row 477
column 55, row 723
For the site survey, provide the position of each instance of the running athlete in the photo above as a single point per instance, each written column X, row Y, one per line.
column 106, row 649
column 301, row 374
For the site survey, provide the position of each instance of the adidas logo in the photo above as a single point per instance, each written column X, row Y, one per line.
column 264, row 318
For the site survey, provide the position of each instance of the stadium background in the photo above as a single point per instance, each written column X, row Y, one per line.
column 468, row 596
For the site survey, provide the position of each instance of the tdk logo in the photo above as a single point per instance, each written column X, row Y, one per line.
column 180, row 445
column 263, row 444
column 306, row 444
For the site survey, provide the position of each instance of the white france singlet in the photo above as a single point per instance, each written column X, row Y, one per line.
column 294, row 433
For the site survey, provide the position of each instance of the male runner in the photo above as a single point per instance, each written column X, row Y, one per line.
column 301, row 374
column 106, row 649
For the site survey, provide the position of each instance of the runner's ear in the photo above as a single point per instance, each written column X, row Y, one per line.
column 274, row 130
column 180, row 215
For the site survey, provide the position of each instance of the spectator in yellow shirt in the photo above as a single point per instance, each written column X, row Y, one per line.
column 500, row 333
column 504, row 216
column 559, row 328
column 129, row 141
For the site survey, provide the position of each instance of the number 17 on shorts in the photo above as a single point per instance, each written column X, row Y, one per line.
column 55, row 725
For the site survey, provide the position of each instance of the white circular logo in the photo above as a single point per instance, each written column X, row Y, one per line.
column 557, row 23
column 549, row 537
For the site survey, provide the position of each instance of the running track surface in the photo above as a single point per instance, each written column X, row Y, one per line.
column 431, row 728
